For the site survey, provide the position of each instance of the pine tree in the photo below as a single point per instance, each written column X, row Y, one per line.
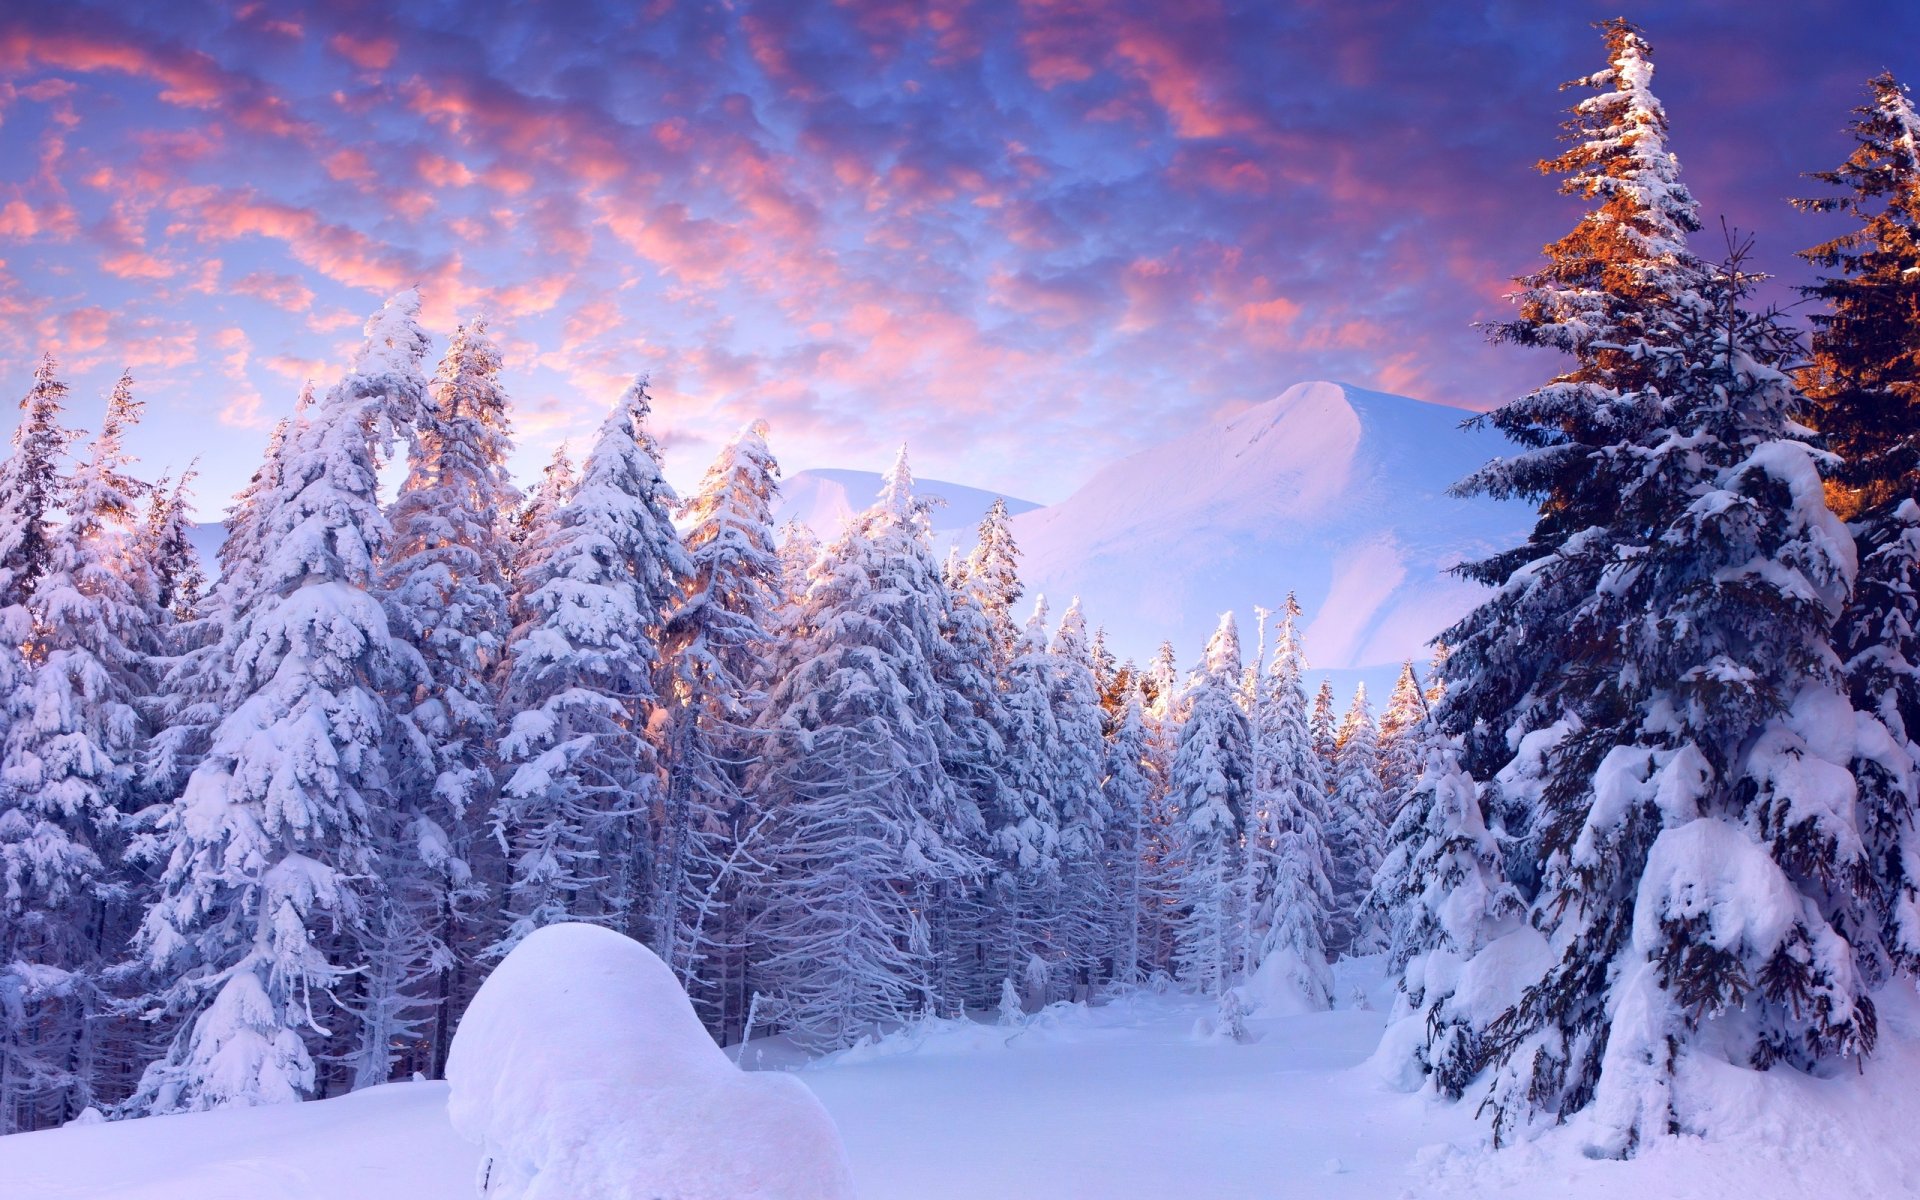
column 1653, row 680
column 993, row 577
column 443, row 579
column 1128, row 793
column 1024, row 836
column 1402, row 752
column 1211, row 785
column 973, row 754
column 179, row 581
column 1289, row 890
column 1864, row 382
column 74, row 736
column 1356, row 837
column 31, row 484
column 1077, row 765
column 715, row 645
column 270, row 847
column 1443, row 886
column 581, row 770
column 867, row 825
column 1324, row 726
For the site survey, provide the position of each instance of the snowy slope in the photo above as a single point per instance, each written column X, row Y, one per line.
column 1334, row 492
column 1113, row 1103
column 825, row 497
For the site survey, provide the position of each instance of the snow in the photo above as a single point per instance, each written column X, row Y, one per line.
column 1327, row 489
column 1114, row 1102
column 580, row 1070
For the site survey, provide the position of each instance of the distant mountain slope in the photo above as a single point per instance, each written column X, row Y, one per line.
column 825, row 498
column 1329, row 490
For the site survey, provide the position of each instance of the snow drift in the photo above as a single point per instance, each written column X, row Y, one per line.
column 582, row 1072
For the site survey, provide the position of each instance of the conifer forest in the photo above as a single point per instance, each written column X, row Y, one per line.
column 624, row 839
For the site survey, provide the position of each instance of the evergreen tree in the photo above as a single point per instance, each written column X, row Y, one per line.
column 1211, row 785
column 270, row 847
column 74, row 735
column 1078, row 762
column 581, row 771
column 1289, row 890
column 1402, row 752
column 1864, row 382
column 1443, row 887
column 993, row 577
column 1653, row 677
column 1324, row 726
column 1128, row 793
column 867, row 825
column 179, row 580
column 1025, row 833
column 1356, row 837
column 31, row 484
column 716, row 644
column 443, row 578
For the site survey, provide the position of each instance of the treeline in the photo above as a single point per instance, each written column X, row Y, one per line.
column 263, row 838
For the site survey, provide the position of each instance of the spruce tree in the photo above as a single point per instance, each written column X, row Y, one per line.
column 993, row 577
column 30, row 486
column 581, row 771
column 270, row 848
column 1078, row 762
column 716, row 644
column 443, row 579
column 74, row 736
column 1128, row 793
column 1443, row 890
column 1653, row 681
column 867, row 824
column 1864, row 384
column 1356, row 837
column 1289, row 891
column 1211, row 786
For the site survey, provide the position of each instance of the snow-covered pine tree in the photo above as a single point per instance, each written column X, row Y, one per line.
column 716, row 645
column 1211, row 787
column 1402, row 752
column 799, row 551
column 1445, row 895
column 74, row 736
column 1024, row 833
column 1077, row 764
column 993, row 577
column 1356, row 837
column 270, row 849
column 1324, row 725
column 973, row 755
column 30, row 484
column 179, row 580
column 1654, row 677
column 867, row 824
column 1288, row 870
column 443, row 581
column 1864, row 382
column 553, row 489
column 581, row 770
column 1128, row 792
column 1163, row 690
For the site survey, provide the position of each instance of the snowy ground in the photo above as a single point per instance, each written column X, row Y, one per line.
column 1115, row 1102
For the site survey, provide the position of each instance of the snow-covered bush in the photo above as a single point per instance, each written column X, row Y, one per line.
column 582, row 1072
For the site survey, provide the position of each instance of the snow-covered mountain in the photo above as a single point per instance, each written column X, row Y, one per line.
column 824, row 498
column 1332, row 491
column 1328, row 490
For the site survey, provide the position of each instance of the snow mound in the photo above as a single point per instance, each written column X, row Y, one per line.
column 1287, row 985
column 582, row 1072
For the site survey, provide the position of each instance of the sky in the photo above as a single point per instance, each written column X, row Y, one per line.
column 1023, row 236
